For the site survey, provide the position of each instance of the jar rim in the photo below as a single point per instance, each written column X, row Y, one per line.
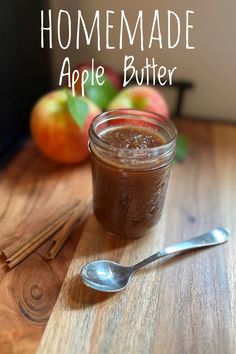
column 125, row 113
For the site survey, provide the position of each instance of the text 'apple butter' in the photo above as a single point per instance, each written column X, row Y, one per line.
column 131, row 154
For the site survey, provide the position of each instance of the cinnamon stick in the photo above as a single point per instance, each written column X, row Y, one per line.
column 23, row 243
column 32, row 246
column 41, row 236
column 62, row 236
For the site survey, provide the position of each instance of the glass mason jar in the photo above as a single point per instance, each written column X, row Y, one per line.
column 129, row 185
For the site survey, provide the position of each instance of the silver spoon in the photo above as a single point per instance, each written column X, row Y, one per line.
column 110, row 276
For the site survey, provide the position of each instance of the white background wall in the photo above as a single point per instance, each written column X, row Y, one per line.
column 211, row 65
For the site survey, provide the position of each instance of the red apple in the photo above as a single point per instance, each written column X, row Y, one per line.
column 101, row 95
column 111, row 74
column 56, row 131
column 141, row 97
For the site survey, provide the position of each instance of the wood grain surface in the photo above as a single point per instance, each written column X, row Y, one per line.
column 30, row 186
column 186, row 304
column 183, row 305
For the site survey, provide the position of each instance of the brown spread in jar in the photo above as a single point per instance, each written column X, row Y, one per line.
column 129, row 192
column 132, row 137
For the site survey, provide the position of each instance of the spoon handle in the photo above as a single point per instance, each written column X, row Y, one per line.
column 211, row 238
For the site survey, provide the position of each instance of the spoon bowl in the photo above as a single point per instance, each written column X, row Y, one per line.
column 106, row 276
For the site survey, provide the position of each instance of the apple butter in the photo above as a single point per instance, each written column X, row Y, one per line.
column 131, row 154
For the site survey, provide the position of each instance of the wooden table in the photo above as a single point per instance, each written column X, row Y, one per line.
column 184, row 305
